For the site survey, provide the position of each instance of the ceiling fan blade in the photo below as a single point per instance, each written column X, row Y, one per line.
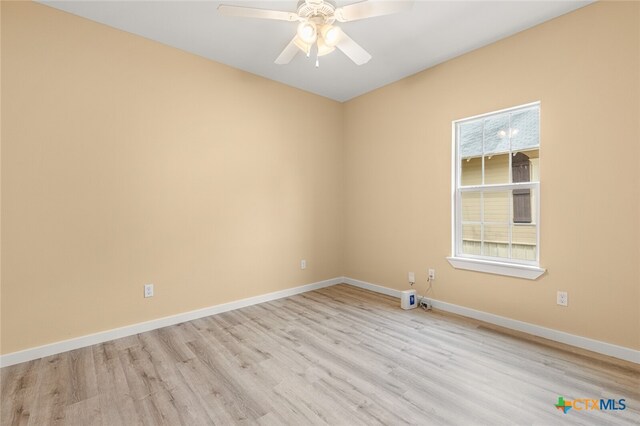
column 371, row 8
column 353, row 50
column 249, row 12
column 288, row 53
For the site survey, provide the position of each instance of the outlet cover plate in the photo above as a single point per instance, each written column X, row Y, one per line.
column 562, row 298
column 148, row 290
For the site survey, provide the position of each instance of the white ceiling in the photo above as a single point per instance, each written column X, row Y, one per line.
column 401, row 44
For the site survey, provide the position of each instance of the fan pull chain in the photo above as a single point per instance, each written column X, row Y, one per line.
column 318, row 55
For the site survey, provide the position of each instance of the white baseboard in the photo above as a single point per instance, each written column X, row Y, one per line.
column 604, row 348
column 104, row 336
column 116, row 333
column 373, row 287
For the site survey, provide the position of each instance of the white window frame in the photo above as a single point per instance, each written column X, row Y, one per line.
column 511, row 267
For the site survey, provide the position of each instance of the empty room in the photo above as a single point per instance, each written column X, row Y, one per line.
column 320, row 212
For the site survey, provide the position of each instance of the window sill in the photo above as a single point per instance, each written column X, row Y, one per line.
column 499, row 268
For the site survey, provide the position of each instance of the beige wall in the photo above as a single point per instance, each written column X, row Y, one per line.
column 127, row 162
column 584, row 68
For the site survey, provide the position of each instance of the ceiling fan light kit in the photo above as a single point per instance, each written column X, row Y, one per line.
column 316, row 31
column 330, row 34
column 307, row 32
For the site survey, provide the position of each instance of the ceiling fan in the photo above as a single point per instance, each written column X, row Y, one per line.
column 317, row 33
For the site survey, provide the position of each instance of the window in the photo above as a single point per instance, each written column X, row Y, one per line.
column 497, row 192
column 521, row 172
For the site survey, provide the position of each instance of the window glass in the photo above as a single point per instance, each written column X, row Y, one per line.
column 497, row 181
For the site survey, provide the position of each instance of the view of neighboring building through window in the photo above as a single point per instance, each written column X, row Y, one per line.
column 497, row 186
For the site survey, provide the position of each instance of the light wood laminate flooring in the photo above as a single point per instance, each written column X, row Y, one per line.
column 338, row 356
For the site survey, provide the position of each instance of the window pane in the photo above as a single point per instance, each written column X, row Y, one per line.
column 524, row 234
column 496, row 207
column 531, row 153
column 470, row 206
column 534, row 163
column 496, row 169
column 524, row 206
column 471, row 239
column 470, row 139
column 525, row 129
column 471, row 171
column 496, row 134
column 523, row 239
column 496, row 241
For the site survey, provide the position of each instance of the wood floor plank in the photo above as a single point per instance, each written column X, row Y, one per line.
column 337, row 356
column 205, row 387
column 52, row 391
column 17, row 390
column 116, row 403
column 82, row 377
column 231, row 384
column 84, row 413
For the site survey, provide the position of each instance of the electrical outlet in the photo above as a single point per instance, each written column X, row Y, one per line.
column 148, row 290
column 412, row 278
column 562, row 298
column 303, row 264
column 425, row 304
column 432, row 274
